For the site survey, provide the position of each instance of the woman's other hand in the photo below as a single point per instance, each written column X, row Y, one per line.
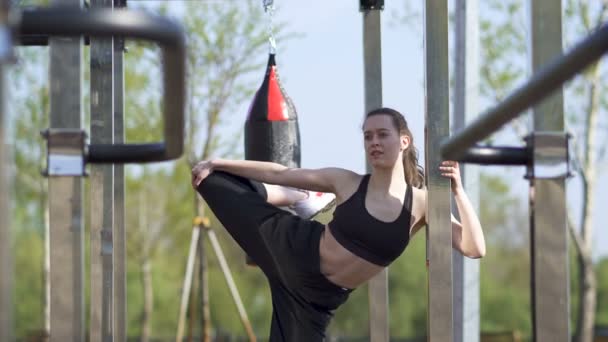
column 451, row 170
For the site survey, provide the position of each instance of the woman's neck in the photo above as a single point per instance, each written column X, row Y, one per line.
column 385, row 180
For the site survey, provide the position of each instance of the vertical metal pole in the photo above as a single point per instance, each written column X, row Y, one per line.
column 439, row 232
column 549, row 250
column 65, row 194
column 120, row 234
column 372, row 56
column 6, row 273
column 466, row 82
column 102, row 186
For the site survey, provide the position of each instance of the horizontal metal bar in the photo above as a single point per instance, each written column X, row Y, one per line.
column 69, row 21
column 493, row 155
column 121, row 154
column 550, row 78
column 39, row 40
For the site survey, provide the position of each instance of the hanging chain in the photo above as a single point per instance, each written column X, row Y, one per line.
column 269, row 9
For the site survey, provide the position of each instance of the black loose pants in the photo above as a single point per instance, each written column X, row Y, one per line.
column 286, row 248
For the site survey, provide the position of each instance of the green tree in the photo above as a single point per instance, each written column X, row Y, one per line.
column 29, row 114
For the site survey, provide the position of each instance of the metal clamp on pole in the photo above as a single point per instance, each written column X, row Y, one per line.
column 65, row 152
column 369, row 5
column 550, row 153
column 61, row 21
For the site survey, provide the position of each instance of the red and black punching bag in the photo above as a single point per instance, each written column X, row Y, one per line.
column 271, row 129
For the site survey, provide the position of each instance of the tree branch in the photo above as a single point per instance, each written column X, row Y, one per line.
column 582, row 251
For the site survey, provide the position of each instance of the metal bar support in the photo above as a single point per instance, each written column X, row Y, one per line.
column 102, row 186
column 372, row 56
column 120, row 233
column 548, row 221
column 466, row 83
column 66, row 231
column 438, row 232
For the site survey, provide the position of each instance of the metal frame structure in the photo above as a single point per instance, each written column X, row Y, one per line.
column 66, row 229
column 68, row 154
column 438, row 233
column 102, row 186
column 466, row 84
column 548, row 218
column 129, row 24
column 546, row 157
column 120, row 232
column 372, row 57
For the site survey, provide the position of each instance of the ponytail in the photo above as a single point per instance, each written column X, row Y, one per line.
column 414, row 173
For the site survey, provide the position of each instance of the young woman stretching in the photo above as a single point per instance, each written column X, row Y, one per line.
column 312, row 268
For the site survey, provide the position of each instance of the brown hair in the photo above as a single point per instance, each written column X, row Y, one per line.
column 414, row 173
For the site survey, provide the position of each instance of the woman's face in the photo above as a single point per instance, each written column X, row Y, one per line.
column 383, row 143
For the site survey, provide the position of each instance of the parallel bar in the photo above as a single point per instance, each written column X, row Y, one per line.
column 549, row 251
column 493, row 155
column 102, row 186
column 66, row 236
column 466, row 84
column 6, row 272
column 372, row 56
column 120, row 234
column 438, row 232
column 547, row 78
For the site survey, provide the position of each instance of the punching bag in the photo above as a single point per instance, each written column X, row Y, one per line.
column 271, row 129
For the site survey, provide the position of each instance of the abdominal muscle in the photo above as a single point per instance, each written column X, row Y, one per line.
column 341, row 266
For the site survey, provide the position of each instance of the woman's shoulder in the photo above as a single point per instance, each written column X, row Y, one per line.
column 348, row 184
column 419, row 195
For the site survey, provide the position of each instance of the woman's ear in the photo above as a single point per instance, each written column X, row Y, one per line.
column 405, row 142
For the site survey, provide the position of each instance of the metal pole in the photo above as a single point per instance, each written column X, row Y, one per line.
column 65, row 194
column 6, row 273
column 102, row 186
column 466, row 83
column 439, row 233
column 372, row 56
column 549, row 250
column 120, row 234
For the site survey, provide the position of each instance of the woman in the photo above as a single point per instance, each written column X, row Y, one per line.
column 312, row 268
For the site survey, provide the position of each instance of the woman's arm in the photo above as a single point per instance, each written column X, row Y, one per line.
column 467, row 235
column 325, row 180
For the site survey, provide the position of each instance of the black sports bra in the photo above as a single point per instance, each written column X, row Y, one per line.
column 374, row 240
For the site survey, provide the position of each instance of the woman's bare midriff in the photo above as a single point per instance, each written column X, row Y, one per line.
column 341, row 266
